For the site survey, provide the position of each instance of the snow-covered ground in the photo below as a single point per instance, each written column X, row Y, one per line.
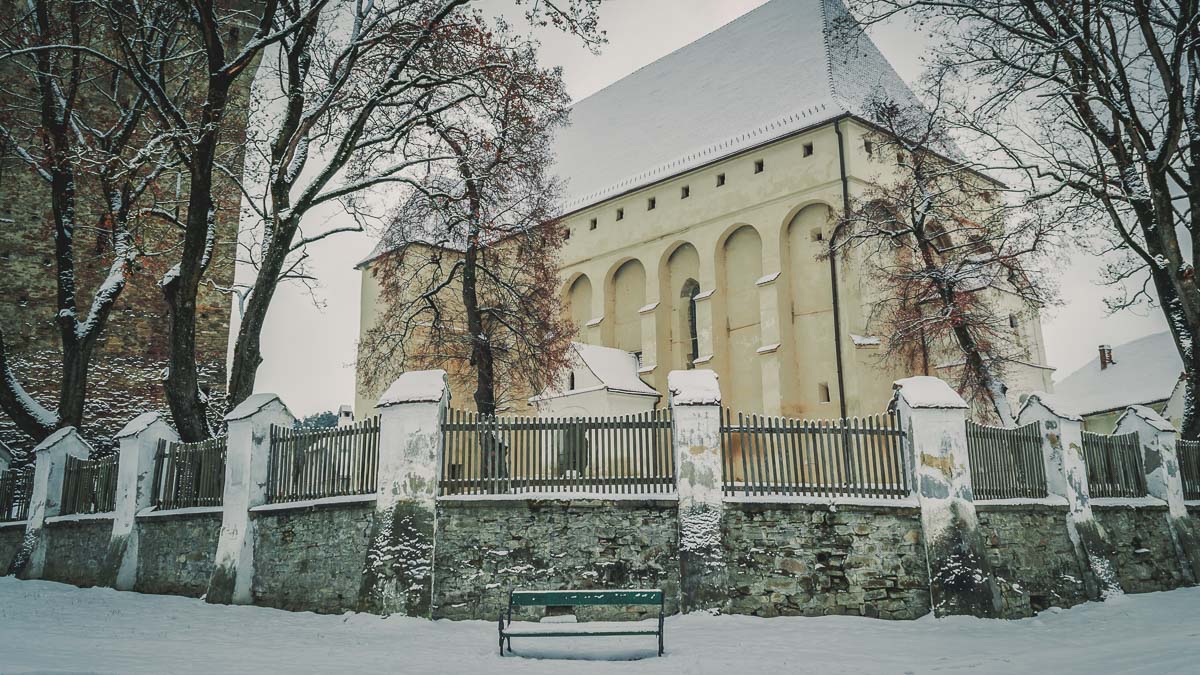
column 48, row 627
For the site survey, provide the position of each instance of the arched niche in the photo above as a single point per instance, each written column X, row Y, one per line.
column 579, row 302
column 627, row 296
column 682, row 269
column 741, row 268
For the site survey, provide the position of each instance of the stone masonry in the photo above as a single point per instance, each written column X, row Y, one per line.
column 10, row 542
column 811, row 560
column 1032, row 556
column 311, row 559
column 486, row 548
column 75, row 550
column 1145, row 553
column 164, row 566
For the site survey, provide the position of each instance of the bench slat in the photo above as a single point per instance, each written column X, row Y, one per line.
column 582, row 633
column 605, row 597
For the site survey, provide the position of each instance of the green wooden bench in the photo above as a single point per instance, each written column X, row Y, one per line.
column 574, row 599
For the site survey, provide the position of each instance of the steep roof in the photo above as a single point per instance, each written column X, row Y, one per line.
column 617, row 369
column 781, row 68
column 1143, row 371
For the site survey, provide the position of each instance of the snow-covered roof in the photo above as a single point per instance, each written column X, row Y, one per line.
column 138, row 424
column 1052, row 402
column 923, row 391
column 779, row 69
column 616, row 369
column 253, row 404
column 694, row 387
column 417, row 386
column 1153, row 419
column 1143, row 371
column 55, row 438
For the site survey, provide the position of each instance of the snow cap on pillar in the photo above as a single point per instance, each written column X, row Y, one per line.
column 58, row 437
column 1052, row 403
column 1147, row 415
column 694, row 387
column 924, row 391
column 418, row 386
column 253, row 404
column 138, row 424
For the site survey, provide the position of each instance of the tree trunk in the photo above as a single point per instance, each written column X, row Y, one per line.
column 481, row 349
column 990, row 385
column 247, row 351
column 189, row 406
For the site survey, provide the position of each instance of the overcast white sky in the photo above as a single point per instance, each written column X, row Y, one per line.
column 309, row 351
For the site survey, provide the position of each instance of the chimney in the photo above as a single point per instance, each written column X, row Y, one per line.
column 1106, row 357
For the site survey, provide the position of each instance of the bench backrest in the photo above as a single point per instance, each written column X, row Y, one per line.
column 564, row 598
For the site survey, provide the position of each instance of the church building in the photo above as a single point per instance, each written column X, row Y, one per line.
column 700, row 194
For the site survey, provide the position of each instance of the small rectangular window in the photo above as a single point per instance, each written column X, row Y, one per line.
column 816, row 234
column 808, row 149
column 869, row 147
column 620, row 214
column 823, row 392
column 758, row 166
column 900, row 158
column 720, row 179
column 567, row 233
column 1012, row 321
column 685, row 192
column 592, row 224
column 651, row 203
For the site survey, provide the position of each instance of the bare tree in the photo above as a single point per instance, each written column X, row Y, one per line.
column 470, row 282
column 1098, row 105
column 79, row 127
column 943, row 247
column 358, row 87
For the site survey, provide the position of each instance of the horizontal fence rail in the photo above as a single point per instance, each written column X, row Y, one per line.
column 189, row 474
column 818, row 458
column 317, row 463
column 630, row 454
column 89, row 485
column 1189, row 467
column 1006, row 463
column 16, row 487
column 1114, row 465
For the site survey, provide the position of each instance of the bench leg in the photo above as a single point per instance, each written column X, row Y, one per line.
column 501, row 630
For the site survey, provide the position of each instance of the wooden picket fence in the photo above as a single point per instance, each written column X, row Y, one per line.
column 818, row 458
column 89, row 485
column 187, row 475
column 16, row 487
column 630, row 454
column 1006, row 463
column 1189, row 467
column 317, row 463
column 1114, row 465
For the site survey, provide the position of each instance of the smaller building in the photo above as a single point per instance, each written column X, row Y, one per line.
column 598, row 381
column 1146, row 371
column 345, row 416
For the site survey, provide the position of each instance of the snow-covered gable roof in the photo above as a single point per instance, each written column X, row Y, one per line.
column 779, row 69
column 616, row 369
column 1143, row 371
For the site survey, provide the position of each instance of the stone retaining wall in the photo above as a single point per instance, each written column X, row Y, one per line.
column 167, row 566
column 1145, row 552
column 11, row 536
column 1032, row 557
column 75, row 550
column 311, row 559
column 485, row 548
column 811, row 560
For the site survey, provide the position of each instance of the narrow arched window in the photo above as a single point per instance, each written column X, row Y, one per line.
column 690, row 290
